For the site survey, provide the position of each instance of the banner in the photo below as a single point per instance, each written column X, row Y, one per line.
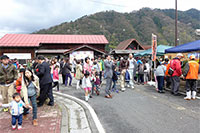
column 154, row 47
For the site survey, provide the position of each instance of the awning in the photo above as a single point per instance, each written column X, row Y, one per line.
column 187, row 47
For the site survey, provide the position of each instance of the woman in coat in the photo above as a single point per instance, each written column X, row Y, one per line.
column 79, row 73
column 29, row 91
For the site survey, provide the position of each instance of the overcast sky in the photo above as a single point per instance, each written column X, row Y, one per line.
column 26, row 16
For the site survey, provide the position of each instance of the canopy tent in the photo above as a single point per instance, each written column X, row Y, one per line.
column 187, row 47
column 160, row 51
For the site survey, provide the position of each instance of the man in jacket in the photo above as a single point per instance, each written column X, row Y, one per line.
column 191, row 75
column 43, row 72
column 108, row 75
column 8, row 77
column 132, row 66
column 175, row 64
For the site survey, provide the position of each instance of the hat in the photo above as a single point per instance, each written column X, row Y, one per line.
column 179, row 54
column 192, row 56
column 4, row 57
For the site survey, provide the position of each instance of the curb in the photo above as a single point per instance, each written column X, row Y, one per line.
column 89, row 111
column 65, row 121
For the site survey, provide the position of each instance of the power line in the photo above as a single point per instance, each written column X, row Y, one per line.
column 105, row 3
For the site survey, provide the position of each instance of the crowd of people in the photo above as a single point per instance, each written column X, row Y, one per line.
column 32, row 83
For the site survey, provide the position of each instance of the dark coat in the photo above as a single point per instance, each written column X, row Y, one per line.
column 66, row 69
column 44, row 73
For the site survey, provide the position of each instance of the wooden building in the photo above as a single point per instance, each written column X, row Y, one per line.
column 129, row 46
column 28, row 46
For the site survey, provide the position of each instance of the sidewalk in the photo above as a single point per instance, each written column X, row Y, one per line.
column 49, row 120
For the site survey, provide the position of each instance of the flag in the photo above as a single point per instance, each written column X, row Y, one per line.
column 154, row 47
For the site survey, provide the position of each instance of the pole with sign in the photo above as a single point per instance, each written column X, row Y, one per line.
column 154, row 52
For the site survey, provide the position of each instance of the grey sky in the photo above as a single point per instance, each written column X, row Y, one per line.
column 26, row 16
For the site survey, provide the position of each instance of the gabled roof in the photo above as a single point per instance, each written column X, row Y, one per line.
column 34, row 40
column 123, row 45
column 83, row 46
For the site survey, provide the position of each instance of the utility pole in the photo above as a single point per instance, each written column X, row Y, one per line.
column 176, row 19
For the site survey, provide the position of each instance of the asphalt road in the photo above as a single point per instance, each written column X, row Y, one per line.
column 143, row 110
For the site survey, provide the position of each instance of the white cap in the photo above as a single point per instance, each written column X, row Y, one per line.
column 179, row 54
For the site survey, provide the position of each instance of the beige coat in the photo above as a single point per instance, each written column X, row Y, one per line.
column 24, row 91
column 79, row 74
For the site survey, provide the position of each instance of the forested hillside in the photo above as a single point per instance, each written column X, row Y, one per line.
column 137, row 24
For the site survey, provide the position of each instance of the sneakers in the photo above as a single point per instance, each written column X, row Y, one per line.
column 19, row 127
column 86, row 98
column 132, row 87
column 123, row 89
column 13, row 127
column 128, row 86
column 35, row 123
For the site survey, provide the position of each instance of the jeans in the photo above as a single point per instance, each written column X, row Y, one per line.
column 15, row 118
column 66, row 79
column 140, row 78
column 32, row 99
column 114, row 85
column 34, row 104
column 160, row 80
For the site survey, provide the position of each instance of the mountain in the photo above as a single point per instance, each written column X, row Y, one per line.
column 140, row 24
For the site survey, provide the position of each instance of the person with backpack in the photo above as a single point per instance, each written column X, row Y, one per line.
column 175, row 72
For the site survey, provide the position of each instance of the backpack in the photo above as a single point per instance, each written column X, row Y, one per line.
column 171, row 71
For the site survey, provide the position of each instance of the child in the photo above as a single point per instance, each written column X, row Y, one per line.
column 114, row 79
column 86, row 84
column 97, row 83
column 19, row 80
column 56, row 77
column 16, row 110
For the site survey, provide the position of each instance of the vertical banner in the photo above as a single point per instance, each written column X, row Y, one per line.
column 154, row 47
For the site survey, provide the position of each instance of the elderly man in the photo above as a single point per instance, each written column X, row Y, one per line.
column 175, row 65
column 191, row 75
column 108, row 75
column 8, row 77
column 132, row 66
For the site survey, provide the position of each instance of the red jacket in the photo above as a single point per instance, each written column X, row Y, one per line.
column 176, row 66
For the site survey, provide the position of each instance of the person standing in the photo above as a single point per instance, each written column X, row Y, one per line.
column 44, row 74
column 62, row 64
column 132, row 65
column 79, row 73
column 122, row 69
column 67, row 71
column 191, row 75
column 8, row 77
column 175, row 64
column 160, row 75
column 108, row 76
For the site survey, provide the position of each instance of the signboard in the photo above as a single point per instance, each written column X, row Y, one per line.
column 81, row 55
column 154, row 47
column 18, row 55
